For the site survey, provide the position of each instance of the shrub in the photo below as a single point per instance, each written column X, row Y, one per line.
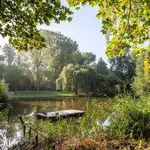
column 3, row 91
column 133, row 118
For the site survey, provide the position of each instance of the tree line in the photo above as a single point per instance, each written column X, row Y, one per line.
column 61, row 66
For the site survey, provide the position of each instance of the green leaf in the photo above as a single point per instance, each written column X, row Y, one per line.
column 22, row 122
column 36, row 140
column 124, row 7
column 69, row 19
column 53, row 147
column 46, row 144
column 9, row 113
column 77, row 8
column 24, row 129
column 30, row 134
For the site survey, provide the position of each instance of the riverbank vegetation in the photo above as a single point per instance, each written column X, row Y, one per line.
column 129, row 128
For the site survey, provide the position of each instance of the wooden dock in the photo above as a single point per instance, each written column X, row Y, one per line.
column 60, row 114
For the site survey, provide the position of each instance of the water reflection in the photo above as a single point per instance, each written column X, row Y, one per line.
column 9, row 138
column 10, row 134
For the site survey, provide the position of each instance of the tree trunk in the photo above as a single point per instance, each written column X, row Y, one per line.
column 37, row 83
column 76, row 89
column 37, row 77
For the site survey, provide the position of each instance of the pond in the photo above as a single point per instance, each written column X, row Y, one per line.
column 10, row 133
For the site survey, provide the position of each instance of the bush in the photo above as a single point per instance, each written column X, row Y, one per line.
column 3, row 91
column 133, row 118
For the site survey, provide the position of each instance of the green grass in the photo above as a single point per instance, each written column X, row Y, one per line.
column 133, row 118
column 40, row 94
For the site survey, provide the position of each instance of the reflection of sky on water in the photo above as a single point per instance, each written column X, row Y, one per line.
column 8, row 138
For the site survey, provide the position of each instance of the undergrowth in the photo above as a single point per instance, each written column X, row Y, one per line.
column 132, row 118
column 129, row 129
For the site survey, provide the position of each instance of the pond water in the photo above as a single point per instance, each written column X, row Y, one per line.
column 10, row 133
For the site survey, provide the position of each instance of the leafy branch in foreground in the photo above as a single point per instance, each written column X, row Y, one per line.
column 126, row 23
column 19, row 20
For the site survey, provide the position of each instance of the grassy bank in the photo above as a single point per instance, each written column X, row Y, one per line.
column 33, row 95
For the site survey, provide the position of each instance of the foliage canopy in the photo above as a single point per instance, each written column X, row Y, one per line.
column 126, row 24
column 19, row 20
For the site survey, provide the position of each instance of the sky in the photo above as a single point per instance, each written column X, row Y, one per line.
column 84, row 28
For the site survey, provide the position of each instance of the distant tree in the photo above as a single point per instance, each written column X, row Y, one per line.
column 25, row 82
column 22, row 60
column 38, row 64
column 107, row 84
column 124, row 70
column 49, row 81
column 61, row 50
column 87, row 80
column 1, row 65
column 101, row 67
column 1, row 70
column 13, row 75
column 75, row 77
column 9, row 54
column 87, row 58
column 66, row 78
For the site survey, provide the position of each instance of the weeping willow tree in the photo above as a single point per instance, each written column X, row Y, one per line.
column 75, row 78
column 66, row 78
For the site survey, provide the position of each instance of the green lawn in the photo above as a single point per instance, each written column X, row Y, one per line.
column 40, row 94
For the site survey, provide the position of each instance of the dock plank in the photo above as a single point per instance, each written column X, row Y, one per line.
column 62, row 114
